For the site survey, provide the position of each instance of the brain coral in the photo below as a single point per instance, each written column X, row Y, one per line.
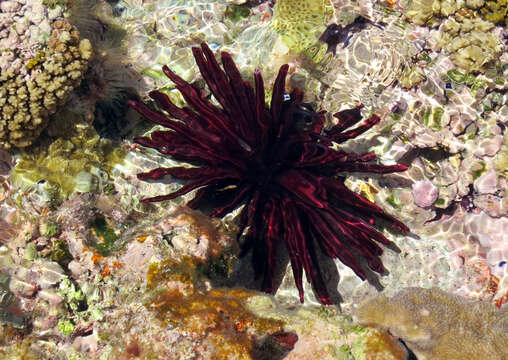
column 440, row 326
column 31, row 93
column 301, row 22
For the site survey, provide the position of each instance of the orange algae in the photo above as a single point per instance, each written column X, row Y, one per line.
column 99, row 259
column 142, row 238
column 218, row 315
column 379, row 345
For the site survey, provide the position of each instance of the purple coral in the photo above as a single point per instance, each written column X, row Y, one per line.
column 275, row 160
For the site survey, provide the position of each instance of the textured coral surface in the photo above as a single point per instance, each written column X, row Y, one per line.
column 438, row 325
column 42, row 59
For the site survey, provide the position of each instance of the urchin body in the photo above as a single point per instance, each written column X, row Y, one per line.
column 278, row 162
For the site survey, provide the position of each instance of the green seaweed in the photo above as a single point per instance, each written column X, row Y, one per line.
column 440, row 201
column 432, row 118
column 48, row 229
column 393, row 201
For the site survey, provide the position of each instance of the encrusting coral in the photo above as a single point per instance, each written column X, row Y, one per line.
column 437, row 325
column 301, row 22
column 27, row 100
column 276, row 160
column 77, row 162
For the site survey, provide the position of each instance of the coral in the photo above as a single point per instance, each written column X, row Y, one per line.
column 78, row 162
column 495, row 11
column 278, row 161
column 411, row 76
column 28, row 96
column 501, row 159
column 429, row 12
column 327, row 333
column 438, row 325
column 420, row 12
column 301, row 22
column 469, row 42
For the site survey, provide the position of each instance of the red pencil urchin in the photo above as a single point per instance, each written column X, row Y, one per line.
column 278, row 162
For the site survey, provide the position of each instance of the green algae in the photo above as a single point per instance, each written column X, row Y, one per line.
column 105, row 237
column 393, row 201
column 49, row 229
column 432, row 118
column 79, row 162
column 60, row 253
column 456, row 76
column 236, row 12
column 478, row 172
column 54, row 3
column 72, row 295
column 66, row 327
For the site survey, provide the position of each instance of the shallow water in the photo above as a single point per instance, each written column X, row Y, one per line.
column 80, row 252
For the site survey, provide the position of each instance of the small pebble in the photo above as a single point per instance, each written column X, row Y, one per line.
column 425, row 193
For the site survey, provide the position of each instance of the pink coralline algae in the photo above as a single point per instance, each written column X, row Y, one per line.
column 278, row 162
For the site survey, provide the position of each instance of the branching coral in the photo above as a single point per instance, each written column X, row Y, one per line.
column 440, row 326
column 27, row 101
column 278, row 161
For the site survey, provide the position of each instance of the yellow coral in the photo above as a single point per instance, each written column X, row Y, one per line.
column 437, row 325
column 301, row 22
column 469, row 42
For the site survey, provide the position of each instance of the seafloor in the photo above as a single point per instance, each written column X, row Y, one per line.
column 87, row 271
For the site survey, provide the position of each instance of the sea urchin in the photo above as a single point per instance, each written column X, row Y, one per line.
column 278, row 162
